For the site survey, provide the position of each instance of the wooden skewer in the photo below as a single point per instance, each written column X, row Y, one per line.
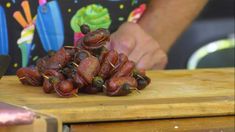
column 75, row 64
column 26, row 8
column 102, row 39
column 140, row 77
column 111, row 64
column 115, row 68
column 20, row 19
column 45, row 76
column 70, row 47
column 74, row 94
column 137, row 90
column 21, row 78
column 104, row 86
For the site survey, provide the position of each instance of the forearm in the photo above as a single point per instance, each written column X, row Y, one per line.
column 165, row 20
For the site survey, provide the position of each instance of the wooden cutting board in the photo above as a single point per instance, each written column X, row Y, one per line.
column 172, row 94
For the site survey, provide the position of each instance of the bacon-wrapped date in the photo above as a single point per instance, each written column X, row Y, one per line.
column 29, row 76
column 53, row 73
column 94, row 42
column 71, row 50
column 51, row 77
column 108, row 64
column 65, row 88
column 83, row 72
column 141, row 78
column 90, row 89
column 59, row 60
column 95, row 87
column 68, row 71
column 125, row 70
column 88, row 68
column 119, row 86
column 79, row 81
column 122, row 59
column 80, row 55
column 142, row 81
column 101, row 55
column 47, row 86
column 95, row 39
column 41, row 64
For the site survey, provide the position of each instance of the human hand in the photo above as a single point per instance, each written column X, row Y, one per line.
column 139, row 46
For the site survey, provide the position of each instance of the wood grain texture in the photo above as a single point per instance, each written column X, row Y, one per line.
column 209, row 124
column 172, row 94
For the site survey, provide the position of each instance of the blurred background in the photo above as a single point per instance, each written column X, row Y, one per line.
column 209, row 41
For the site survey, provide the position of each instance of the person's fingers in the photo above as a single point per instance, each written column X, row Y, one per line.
column 154, row 60
column 142, row 47
column 136, row 54
column 161, row 64
column 122, row 44
column 145, row 62
column 162, row 60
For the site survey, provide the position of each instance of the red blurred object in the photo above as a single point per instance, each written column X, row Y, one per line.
column 13, row 115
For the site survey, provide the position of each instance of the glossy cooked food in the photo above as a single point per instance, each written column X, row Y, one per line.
column 89, row 68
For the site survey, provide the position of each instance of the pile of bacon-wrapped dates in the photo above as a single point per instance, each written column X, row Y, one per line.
column 89, row 68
